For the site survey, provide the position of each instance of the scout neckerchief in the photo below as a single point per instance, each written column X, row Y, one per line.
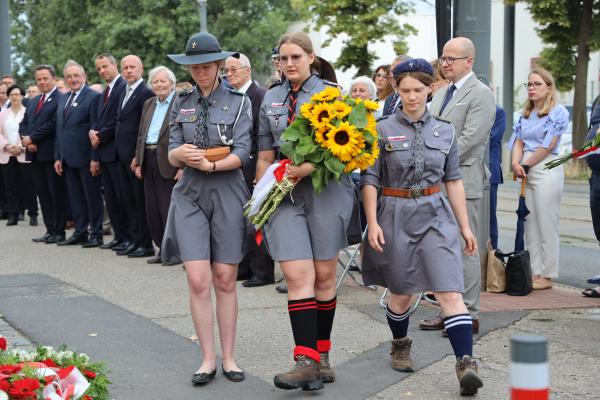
column 417, row 160
column 292, row 98
column 201, row 131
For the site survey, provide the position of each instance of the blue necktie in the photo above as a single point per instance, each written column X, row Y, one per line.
column 448, row 97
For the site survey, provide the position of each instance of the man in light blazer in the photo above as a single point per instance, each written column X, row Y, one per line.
column 76, row 159
column 469, row 105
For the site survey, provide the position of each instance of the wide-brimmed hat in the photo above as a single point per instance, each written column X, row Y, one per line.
column 202, row 48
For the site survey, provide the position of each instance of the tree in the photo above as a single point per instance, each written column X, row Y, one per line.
column 571, row 30
column 53, row 31
column 363, row 22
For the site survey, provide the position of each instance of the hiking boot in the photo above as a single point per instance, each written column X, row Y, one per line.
column 305, row 375
column 401, row 360
column 327, row 374
column 466, row 372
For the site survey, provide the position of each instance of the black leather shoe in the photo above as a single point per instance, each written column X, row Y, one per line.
column 141, row 252
column 170, row 263
column 42, row 239
column 203, row 377
column 33, row 221
column 255, row 282
column 154, row 260
column 73, row 240
column 282, row 287
column 93, row 242
column 111, row 244
column 132, row 246
column 12, row 220
column 56, row 238
column 234, row 376
column 123, row 245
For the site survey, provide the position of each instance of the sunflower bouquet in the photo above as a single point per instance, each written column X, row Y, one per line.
column 333, row 132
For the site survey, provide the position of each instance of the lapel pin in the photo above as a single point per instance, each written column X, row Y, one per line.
column 225, row 108
column 75, row 104
column 49, row 100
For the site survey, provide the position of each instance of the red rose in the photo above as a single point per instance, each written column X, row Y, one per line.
column 86, row 397
column 64, row 372
column 24, row 389
column 9, row 369
column 4, row 385
column 2, row 344
column 89, row 374
column 49, row 363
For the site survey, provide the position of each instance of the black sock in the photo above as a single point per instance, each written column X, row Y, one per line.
column 460, row 332
column 303, row 316
column 398, row 322
column 325, row 315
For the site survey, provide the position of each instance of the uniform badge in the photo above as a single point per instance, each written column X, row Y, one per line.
column 49, row 100
column 396, row 138
column 225, row 108
column 75, row 104
column 389, row 147
column 277, row 104
column 436, row 134
column 187, row 111
column 404, row 145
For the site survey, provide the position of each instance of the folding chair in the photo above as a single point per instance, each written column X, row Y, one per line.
column 351, row 256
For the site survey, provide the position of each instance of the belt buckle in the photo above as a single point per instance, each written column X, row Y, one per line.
column 416, row 193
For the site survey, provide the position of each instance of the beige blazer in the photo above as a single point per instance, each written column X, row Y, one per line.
column 471, row 111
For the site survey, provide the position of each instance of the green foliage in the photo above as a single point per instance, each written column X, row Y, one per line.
column 53, row 31
column 361, row 22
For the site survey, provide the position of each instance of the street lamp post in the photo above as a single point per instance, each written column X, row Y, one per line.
column 4, row 38
column 202, row 10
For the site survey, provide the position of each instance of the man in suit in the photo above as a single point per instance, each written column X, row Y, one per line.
column 257, row 267
column 152, row 155
column 393, row 102
column 76, row 159
column 495, row 164
column 127, row 122
column 469, row 105
column 102, row 138
column 38, row 133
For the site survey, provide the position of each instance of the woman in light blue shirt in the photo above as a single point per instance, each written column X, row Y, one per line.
column 534, row 142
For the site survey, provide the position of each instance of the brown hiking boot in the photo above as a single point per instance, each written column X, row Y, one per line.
column 401, row 360
column 327, row 374
column 305, row 375
column 466, row 372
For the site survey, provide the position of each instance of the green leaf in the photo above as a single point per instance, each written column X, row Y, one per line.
column 305, row 146
column 293, row 132
column 334, row 165
column 287, row 148
column 358, row 116
column 297, row 159
column 316, row 156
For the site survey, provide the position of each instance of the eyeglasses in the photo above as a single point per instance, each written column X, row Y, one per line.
column 295, row 58
column 380, row 75
column 232, row 70
column 450, row 60
column 536, row 85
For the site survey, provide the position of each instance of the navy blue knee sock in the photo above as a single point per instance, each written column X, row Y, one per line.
column 398, row 323
column 460, row 332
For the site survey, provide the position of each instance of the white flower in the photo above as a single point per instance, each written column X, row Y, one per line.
column 68, row 354
column 3, row 395
column 49, row 350
column 84, row 357
column 59, row 355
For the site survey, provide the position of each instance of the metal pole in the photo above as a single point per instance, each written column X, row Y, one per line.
column 202, row 11
column 529, row 372
column 473, row 19
column 5, row 65
column 443, row 23
column 508, row 98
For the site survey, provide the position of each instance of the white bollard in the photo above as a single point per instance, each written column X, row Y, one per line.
column 529, row 374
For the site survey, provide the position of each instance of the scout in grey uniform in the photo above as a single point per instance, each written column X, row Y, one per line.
column 306, row 233
column 413, row 236
column 206, row 226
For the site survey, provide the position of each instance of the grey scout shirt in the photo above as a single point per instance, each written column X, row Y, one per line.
column 396, row 138
column 225, row 106
column 273, row 118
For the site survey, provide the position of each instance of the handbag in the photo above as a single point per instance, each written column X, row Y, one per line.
column 496, row 273
column 213, row 154
column 518, row 272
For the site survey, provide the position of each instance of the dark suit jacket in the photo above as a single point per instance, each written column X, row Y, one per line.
column 166, row 170
column 105, row 125
column 128, row 121
column 41, row 128
column 255, row 93
column 388, row 105
column 496, row 146
column 72, row 132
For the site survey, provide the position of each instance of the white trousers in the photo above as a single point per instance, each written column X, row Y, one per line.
column 543, row 195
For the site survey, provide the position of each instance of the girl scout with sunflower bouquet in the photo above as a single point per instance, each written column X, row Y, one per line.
column 413, row 235
column 306, row 234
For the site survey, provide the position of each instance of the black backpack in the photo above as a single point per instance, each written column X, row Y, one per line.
column 518, row 272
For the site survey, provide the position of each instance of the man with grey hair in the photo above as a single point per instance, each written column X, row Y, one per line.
column 257, row 267
column 76, row 159
column 102, row 138
column 393, row 102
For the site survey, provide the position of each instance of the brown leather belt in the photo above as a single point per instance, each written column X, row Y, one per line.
column 411, row 193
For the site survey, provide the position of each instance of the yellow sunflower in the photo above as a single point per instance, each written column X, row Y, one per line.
column 344, row 142
column 321, row 115
column 322, row 133
column 327, row 94
column 371, row 124
column 341, row 109
column 306, row 110
column 365, row 159
column 371, row 105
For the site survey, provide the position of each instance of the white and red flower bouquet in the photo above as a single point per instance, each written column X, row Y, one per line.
column 49, row 374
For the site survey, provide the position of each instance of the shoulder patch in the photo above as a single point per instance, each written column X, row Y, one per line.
column 186, row 92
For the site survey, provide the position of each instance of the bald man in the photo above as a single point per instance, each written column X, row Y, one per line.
column 138, row 242
column 469, row 105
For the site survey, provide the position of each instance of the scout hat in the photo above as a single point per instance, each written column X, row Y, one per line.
column 413, row 65
column 202, row 48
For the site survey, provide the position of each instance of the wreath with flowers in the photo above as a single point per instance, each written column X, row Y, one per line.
column 333, row 132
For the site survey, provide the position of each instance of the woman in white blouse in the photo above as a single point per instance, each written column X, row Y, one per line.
column 15, row 169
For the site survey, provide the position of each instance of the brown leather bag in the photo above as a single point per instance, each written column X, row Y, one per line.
column 217, row 153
